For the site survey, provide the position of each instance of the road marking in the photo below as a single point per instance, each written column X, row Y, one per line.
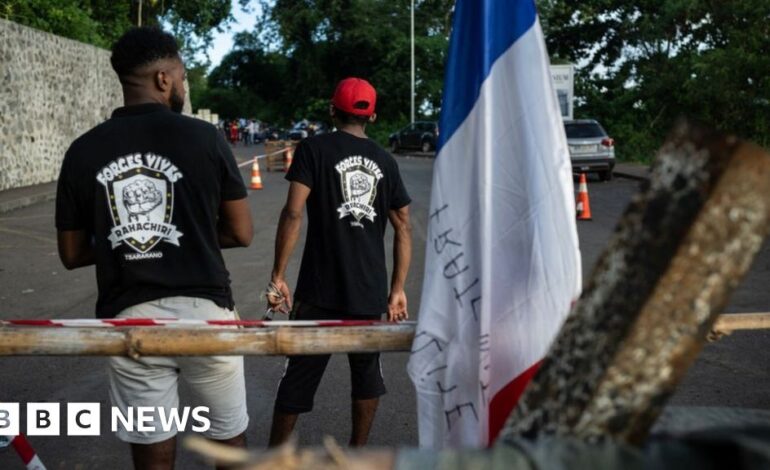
column 26, row 245
column 26, row 217
column 28, row 235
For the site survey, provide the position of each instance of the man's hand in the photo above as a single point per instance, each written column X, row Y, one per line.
column 283, row 303
column 286, row 236
column 397, row 306
column 402, row 254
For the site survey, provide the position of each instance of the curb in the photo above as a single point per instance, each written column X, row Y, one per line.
column 630, row 175
column 19, row 203
column 29, row 200
column 429, row 155
column 634, row 171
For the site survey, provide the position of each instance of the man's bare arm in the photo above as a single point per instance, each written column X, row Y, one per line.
column 402, row 256
column 234, row 227
column 75, row 249
column 286, row 236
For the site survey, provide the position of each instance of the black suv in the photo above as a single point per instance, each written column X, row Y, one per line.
column 421, row 135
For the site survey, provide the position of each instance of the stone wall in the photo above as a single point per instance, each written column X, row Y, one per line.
column 52, row 90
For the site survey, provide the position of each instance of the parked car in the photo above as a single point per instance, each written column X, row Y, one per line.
column 421, row 135
column 275, row 133
column 590, row 148
column 297, row 134
column 318, row 128
column 299, row 131
column 305, row 129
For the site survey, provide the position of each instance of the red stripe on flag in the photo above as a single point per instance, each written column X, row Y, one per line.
column 25, row 451
column 503, row 402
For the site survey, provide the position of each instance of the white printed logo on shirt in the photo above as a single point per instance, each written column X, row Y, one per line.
column 140, row 192
column 359, row 177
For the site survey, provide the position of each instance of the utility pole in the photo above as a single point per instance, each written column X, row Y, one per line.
column 411, row 96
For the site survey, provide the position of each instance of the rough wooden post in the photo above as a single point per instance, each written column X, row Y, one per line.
column 726, row 324
column 680, row 249
column 179, row 341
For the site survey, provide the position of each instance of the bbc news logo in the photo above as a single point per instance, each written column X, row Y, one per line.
column 84, row 419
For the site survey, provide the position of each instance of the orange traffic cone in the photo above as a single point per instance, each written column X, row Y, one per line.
column 583, row 205
column 256, row 178
column 288, row 158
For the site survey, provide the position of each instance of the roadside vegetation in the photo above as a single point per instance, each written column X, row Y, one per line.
column 640, row 64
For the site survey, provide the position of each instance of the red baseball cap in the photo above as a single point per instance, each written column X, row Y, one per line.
column 355, row 96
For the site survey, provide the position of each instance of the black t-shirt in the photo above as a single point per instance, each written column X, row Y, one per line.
column 147, row 185
column 354, row 183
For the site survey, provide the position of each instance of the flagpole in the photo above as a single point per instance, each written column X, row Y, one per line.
column 412, row 81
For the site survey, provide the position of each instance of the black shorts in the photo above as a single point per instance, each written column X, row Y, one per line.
column 303, row 373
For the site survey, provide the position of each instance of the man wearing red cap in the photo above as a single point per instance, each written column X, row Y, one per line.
column 350, row 185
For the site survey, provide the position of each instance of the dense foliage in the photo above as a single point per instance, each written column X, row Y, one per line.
column 101, row 22
column 287, row 68
column 641, row 63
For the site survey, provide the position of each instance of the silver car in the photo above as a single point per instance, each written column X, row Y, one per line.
column 590, row 148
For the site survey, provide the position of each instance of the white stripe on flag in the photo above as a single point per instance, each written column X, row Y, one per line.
column 35, row 464
column 502, row 261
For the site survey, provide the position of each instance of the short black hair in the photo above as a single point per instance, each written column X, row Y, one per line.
column 349, row 118
column 141, row 46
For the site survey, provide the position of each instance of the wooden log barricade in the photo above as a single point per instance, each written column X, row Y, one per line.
column 202, row 341
column 726, row 324
column 679, row 250
column 90, row 337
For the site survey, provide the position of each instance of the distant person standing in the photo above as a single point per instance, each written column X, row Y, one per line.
column 251, row 129
column 350, row 185
column 234, row 132
column 150, row 197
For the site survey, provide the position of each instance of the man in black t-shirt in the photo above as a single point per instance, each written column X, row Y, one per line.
column 150, row 197
column 350, row 185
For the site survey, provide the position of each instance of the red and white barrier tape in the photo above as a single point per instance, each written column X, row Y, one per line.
column 26, row 452
column 257, row 157
column 182, row 322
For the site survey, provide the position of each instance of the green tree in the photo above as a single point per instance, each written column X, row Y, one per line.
column 253, row 75
column 101, row 22
column 644, row 63
column 302, row 48
column 68, row 18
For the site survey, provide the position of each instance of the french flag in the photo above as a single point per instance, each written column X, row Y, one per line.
column 502, row 258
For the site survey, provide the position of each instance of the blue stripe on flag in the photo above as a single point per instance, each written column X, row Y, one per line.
column 482, row 30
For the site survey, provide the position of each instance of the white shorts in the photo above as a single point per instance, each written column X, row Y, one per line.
column 217, row 382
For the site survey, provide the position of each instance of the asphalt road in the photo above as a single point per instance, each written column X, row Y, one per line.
column 733, row 372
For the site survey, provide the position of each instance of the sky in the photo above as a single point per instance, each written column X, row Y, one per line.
column 223, row 42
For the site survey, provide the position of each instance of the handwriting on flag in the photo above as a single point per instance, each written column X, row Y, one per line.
column 462, row 276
